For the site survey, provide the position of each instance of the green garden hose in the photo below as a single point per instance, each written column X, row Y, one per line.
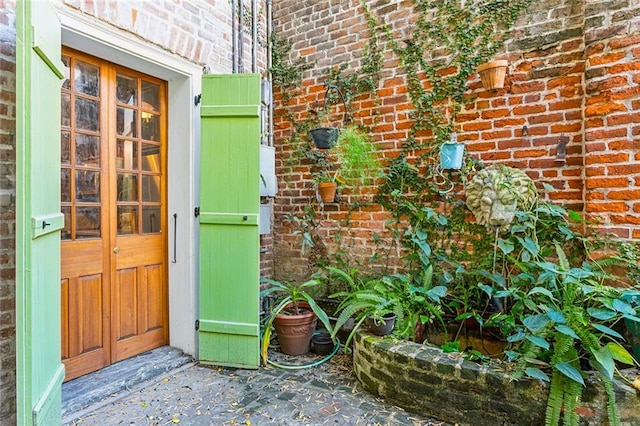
column 288, row 366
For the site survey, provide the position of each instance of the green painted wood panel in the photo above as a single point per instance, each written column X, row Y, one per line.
column 38, row 218
column 229, row 204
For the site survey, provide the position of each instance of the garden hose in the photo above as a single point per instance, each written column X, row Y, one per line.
column 288, row 366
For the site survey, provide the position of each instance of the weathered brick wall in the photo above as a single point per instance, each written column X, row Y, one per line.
column 423, row 379
column 612, row 115
column 197, row 30
column 7, row 211
column 571, row 76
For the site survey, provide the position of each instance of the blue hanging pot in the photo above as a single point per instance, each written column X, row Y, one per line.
column 451, row 154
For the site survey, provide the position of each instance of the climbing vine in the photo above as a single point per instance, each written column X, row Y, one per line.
column 446, row 40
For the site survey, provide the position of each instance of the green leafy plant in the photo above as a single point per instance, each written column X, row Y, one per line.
column 357, row 157
column 412, row 299
column 289, row 294
column 570, row 320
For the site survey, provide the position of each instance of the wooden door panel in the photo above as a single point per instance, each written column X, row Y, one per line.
column 125, row 303
column 140, row 314
column 83, row 325
column 141, row 318
column 87, row 311
column 155, row 317
column 64, row 332
column 85, row 293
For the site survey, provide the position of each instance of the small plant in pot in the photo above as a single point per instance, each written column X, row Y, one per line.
column 407, row 299
column 381, row 323
column 327, row 185
column 294, row 316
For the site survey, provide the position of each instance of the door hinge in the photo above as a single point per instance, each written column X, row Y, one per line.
column 196, row 212
column 197, row 325
column 197, row 99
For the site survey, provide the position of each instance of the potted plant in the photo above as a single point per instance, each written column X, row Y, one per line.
column 357, row 157
column 294, row 316
column 399, row 299
column 325, row 137
column 326, row 185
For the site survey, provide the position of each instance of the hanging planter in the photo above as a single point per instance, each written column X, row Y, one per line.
column 325, row 137
column 451, row 154
column 492, row 74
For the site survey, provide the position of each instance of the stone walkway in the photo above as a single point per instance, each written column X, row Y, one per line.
column 195, row 394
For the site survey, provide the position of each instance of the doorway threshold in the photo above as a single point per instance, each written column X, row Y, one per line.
column 80, row 393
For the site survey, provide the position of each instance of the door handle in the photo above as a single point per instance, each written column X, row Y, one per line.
column 116, row 250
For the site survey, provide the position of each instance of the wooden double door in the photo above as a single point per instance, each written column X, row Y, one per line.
column 113, row 197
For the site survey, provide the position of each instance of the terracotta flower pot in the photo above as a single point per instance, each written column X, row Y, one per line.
column 294, row 331
column 492, row 74
column 327, row 191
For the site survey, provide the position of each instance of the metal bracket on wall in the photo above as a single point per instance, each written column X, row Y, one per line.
column 196, row 212
column 197, row 325
column 561, row 152
column 197, row 99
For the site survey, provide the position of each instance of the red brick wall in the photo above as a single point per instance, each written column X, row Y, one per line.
column 7, row 212
column 572, row 74
column 612, row 117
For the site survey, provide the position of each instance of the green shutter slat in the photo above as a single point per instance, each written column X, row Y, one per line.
column 228, row 221
column 227, row 327
column 230, row 111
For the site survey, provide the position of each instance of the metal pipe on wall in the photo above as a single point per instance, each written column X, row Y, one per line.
column 254, row 36
column 269, row 48
column 240, row 36
column 234, row 41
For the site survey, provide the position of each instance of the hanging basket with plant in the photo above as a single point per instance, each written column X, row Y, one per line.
column 325, row 137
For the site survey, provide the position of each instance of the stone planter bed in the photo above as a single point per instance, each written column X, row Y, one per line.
column 423, row 379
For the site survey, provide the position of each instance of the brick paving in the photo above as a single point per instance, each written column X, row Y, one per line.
column 196, row 394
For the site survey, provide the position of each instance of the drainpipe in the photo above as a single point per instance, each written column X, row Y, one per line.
column 234, row 40
column 254, row 36
column 240, row 37
column 269, row 47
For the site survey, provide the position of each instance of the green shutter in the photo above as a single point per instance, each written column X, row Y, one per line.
column 38, row 218
column 229, row 326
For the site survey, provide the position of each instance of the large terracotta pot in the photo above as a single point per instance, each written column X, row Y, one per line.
column 294, row 331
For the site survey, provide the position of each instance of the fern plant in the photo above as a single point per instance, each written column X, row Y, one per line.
column 410, row 298
column 570, row 315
